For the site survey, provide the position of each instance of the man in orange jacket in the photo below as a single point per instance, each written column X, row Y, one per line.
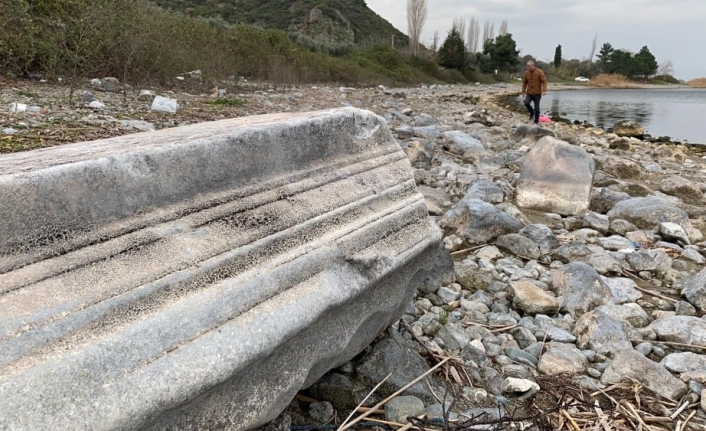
column 534, row 86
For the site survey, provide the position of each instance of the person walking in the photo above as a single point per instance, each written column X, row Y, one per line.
column 534, row 86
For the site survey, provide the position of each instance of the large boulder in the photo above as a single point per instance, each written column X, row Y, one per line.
column 478, row 221
column 556, row 177
column 204, row 274
column 649, row 212
column 682, row 188
column 681, row 329
column 601, row 333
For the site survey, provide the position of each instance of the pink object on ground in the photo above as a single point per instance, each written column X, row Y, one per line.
column 544, row 119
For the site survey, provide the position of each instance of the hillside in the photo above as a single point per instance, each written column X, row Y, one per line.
column 325, row 21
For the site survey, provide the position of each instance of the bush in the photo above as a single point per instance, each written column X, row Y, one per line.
column 612, row 81
column 697, row 83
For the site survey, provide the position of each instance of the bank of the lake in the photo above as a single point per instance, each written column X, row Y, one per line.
column 673, row 111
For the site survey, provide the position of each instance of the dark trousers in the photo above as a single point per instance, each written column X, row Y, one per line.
column 529, row 98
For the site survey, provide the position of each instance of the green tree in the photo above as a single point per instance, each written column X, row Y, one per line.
column 452, row 53
column 604, row 55
column 646, row 64
column 503, row 52
column 557, row 56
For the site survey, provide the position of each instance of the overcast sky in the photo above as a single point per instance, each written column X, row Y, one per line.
column 673, row 30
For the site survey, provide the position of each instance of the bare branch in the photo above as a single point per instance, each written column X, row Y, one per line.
column 473, row 35
column 503, row 28
column 416, row 18
column 594, row 43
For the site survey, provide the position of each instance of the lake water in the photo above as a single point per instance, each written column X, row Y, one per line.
column 677, row 113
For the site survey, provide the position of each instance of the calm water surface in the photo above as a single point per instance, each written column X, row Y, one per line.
column 677, row 113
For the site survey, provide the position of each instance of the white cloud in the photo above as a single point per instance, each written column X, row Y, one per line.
column 672, row 29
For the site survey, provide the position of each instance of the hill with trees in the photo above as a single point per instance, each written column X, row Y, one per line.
column 332, row 22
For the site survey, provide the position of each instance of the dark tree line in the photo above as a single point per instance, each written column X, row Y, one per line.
column 643, row 64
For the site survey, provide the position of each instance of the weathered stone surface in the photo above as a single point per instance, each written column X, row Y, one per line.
column 632, row 364
column 562, row 358
column 400, row 408
column 582, row 288
column 170, row 279
column 532, row 132
column 629, row 129
column 459, row 142
column 478, row 222
column 623, row 289
column 604, row 199
column 619, row 167
column 649, row 212
column 601, row 333
column 391, row 356
column 682, row 188
column 694, row 289
column 681, row 329
column 486, row 191
column 632, row 314
column 519, row 245
column 542, row 236
column 572, row 251
column 684, row 362
column 533, row 300
column 556, row 177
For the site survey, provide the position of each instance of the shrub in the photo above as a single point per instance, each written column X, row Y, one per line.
column 697, row 83
column 612, row 81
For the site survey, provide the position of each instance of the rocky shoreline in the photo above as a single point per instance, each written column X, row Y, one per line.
column 589, row 311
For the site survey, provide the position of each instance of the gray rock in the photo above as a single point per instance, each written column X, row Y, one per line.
column 649, row 212
column 604, row 199
column 556, row 177
column 459, row 142
column 619, row 167
column 682, row 188
column 110, row 84
column 693, row 256
column 532, row 132
column 572, row 251
column 601, row 333
column 427, row 132
column 684, row 308
column 631, row 314
column 604, row 263
column 621, row 227
column 448, row 295
column 478, row 222
column 524, row 337
column 684, row 362
column 622, row 289
column 453, row 338
column 554, row 333
column 628, row 129
column 542, row 236
column 672, row 231
column 486, row 191
column 533, row 300
column 513, row 385
column 472, row 277
column 437, row 411
column 143, row 126
column 644, row 348
column 400, row 408
column 519, row 245
column 681, row 329
column 424, row 119
column 520, row 355
column 321, row 411
column 615, row 243
column 694, row 290
column 562, row 358
column 631, row 364
column 596, row 221
column 581, row 287
column 336, row 388
column 282, row 423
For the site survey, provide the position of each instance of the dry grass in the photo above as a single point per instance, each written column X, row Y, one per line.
column 612, row 81
column 697, row 83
